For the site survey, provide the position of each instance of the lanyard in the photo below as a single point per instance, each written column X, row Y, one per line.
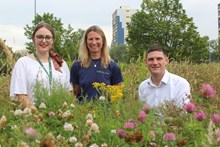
column 50, row 69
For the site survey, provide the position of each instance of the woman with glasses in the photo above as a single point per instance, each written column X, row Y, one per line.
column 43, row 66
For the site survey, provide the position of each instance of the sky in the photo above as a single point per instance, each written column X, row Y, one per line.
column 80, row 14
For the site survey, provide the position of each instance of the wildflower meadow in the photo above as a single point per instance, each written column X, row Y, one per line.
column 117, row 118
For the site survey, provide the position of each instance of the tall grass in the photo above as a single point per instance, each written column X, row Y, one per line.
column 111, row 117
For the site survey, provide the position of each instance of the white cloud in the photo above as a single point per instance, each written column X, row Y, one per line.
column 205, row 16
column 108, row 33
column 82, row 14
column 13, row 36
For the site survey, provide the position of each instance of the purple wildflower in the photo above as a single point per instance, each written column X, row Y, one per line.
column 121, row 133
column 169, row 137
column 145, row 108
column 190, row 107
column 200, row 115
column 31, row 132
column 207, row 91
column 216, row 119
column 152, row 135
column 141, row 116
column 153, row 144
column 217, row 134
column 130, row 125
column 50, row 114
column 168, row 119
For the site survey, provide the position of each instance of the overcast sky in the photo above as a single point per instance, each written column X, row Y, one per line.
column 16, row 14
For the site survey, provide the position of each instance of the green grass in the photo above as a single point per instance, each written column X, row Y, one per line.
column 111, row 117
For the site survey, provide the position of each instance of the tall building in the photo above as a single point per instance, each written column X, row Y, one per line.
column 219, row 20
column 120, row 18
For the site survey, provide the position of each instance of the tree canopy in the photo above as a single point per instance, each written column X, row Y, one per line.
column 165, row 22
column 66, row 39
column 214, row 50
column 119, row 53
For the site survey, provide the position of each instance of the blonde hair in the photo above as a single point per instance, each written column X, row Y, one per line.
column 84, row 51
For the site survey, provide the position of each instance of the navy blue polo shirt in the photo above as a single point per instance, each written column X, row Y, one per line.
column 85, row 77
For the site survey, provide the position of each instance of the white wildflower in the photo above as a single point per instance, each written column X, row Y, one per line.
column 95, row 127
column 18, row 112
column 89, row 122
column 94, row 145
column 72, row 106
column 27, row 111
column 37, row 141
column 3, row 121
column 14, row 127
column 60, row 137
column 102, row 98
column 78, row 144
column 73, row 139
column 89, row 116
column 68, row 127
column 42, row 106
column 65, row 105
column 104, row 145
column 33, row 109
column 24, row 144
column 113, row 131
column 66, row 114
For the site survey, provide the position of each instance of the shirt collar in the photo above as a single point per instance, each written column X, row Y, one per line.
column 164, row 80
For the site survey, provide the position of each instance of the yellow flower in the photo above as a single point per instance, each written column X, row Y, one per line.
column 112, row 91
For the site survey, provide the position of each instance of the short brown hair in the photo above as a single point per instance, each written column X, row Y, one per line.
column 155, row 47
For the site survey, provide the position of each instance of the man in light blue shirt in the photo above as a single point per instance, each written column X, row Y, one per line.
column 162, row 85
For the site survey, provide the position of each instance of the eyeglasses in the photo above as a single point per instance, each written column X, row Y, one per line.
column 41, row 37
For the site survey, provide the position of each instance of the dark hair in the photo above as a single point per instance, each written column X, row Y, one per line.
column 54, row 56
column 155, row 47
column 43, row 25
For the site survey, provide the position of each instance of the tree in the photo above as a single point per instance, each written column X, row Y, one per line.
column 71, row 43
column 214, row 50
column 165, row 22
column 119, row 53
column 66, row 40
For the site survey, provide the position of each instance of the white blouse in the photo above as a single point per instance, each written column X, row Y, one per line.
column 27, row 71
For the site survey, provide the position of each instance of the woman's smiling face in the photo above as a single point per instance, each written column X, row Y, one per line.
column 94, row 42
column 43, row 40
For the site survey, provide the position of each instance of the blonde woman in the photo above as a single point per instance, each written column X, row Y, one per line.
column 94, row 65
